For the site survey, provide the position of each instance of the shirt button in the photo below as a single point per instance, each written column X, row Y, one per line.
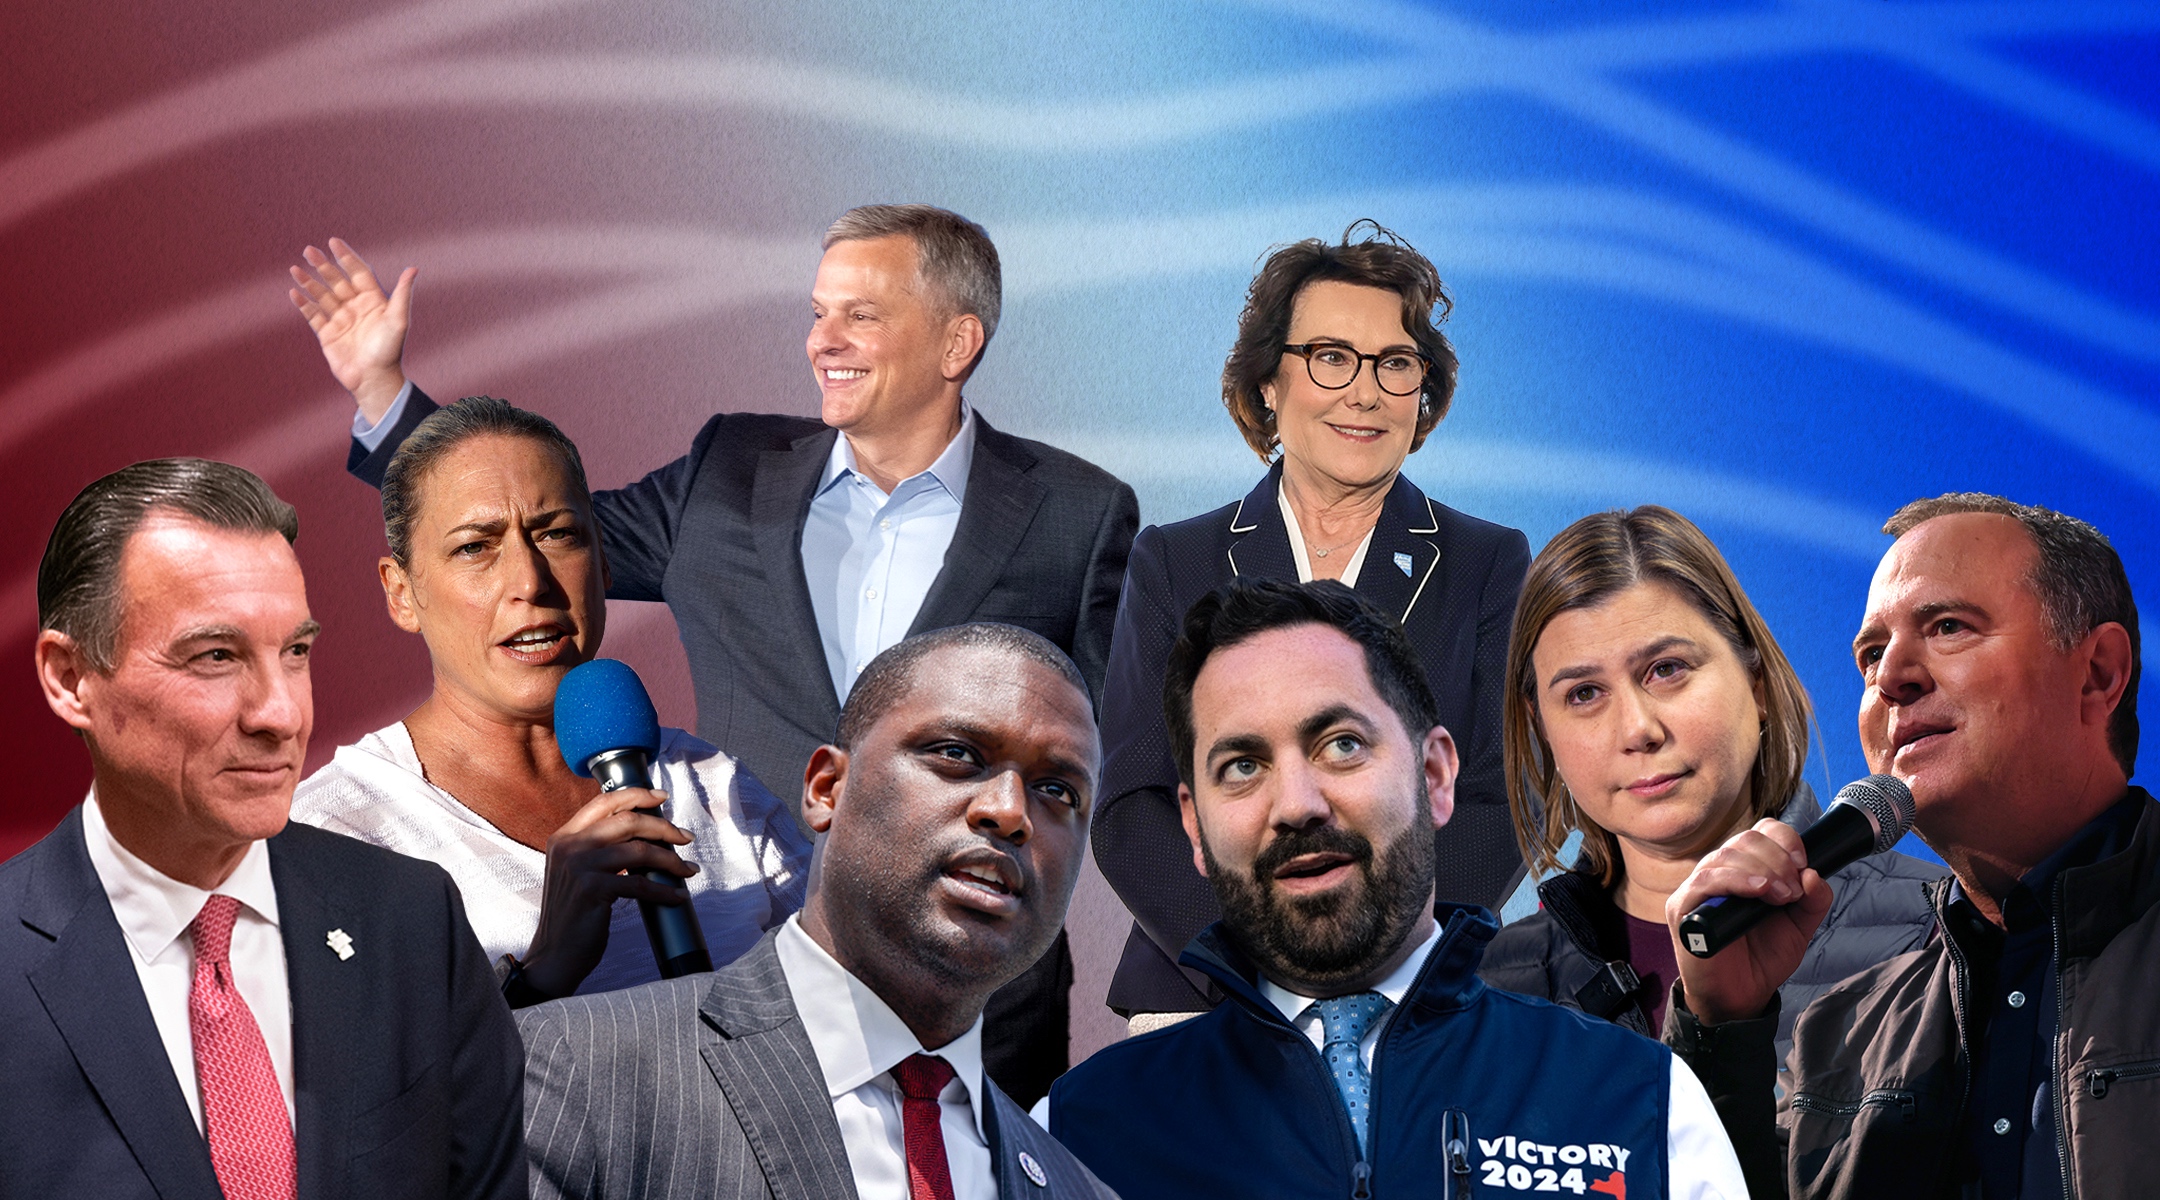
column 2002, row 1124
column 885, row 524
column 2017, row 999
column 870, row 593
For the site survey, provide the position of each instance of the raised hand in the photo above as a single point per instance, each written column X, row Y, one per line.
column 362, row 331
column 600, row 854
column 1769, row 862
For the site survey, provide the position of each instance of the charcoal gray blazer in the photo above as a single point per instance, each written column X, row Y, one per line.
column 405, row 1064
column 706, row 1088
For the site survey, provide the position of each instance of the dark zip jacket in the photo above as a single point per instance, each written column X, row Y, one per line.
column 1573, row 950
column 1473, row 1089
column 1880, row 1063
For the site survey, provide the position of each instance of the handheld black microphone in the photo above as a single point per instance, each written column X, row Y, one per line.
column 1868, row 817
column 607, row 730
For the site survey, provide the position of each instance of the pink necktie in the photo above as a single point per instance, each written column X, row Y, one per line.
column 251, row 1138
column 921, row 1077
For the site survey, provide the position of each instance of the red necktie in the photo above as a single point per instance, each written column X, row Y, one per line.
column 921, row 1077
column 244, row 1118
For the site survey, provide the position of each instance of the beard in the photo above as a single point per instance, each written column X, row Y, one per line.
column 1339, row 936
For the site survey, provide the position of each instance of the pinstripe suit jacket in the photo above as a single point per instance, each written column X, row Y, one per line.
column 706, row 1088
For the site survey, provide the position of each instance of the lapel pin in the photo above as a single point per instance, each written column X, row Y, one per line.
column 1033, row 1170
column 341, row 942
column 1403, row 561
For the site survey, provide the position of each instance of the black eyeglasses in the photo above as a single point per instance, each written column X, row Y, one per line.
column 1335, row 366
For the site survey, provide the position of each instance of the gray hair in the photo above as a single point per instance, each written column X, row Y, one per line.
column 78, row 581
column 952, row 254
column 445, row 430
column 889, row 677
column 2078, row 578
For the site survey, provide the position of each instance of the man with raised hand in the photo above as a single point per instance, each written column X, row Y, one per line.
column 2017, row 1054
column 1358, row 1052
column 842, row 1056
column 793, row 551
column 200, row 999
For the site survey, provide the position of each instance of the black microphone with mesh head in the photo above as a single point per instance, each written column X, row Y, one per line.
column 1868, row 817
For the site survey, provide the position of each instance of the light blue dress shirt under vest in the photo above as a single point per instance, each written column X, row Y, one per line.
column 870, row 558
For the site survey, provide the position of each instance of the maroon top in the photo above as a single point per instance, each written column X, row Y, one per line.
column 1650, row 952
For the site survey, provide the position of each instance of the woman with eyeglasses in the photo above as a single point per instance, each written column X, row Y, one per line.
column 1338, row 374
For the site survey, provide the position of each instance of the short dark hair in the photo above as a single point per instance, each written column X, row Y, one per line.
column 953, row 254
column 1242, row 609
column 2078, row 578
column 443, row 431
column 1379, row 259
column 78, row 581
column 886, row 681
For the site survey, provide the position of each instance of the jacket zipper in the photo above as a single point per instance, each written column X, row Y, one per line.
column 2099, row 1081
column 2055, row 1064
column 1455, row 1152
column 1908, row 1107
column 1960, row 1002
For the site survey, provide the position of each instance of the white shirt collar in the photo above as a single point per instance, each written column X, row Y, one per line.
column 1394, row 987
column 856, row 1035
column 950, row 469
column 153, row 908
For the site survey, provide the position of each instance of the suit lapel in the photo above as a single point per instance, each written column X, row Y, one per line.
column 89, row 988
column 1001, row 504
column 1403, row 555
column 1259, row 541
column 325, row 1023
column 779, row 505
column 762, row 1059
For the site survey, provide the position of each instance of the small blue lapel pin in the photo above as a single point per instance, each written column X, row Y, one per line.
column 1033, row 1170
column 341, row 942
column 1403, row 561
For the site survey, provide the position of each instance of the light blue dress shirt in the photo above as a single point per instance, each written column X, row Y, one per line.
column 870, row 558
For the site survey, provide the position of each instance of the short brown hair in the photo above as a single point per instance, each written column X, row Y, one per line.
column 445, row 430
column 78, row 580
column 2078, row 578
column 1585, row 565
column 1379, row 259
column 955, row 257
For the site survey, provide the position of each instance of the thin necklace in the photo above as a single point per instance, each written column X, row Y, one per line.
column 1324, row 551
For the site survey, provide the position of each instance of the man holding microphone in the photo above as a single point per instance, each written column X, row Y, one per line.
column 2017, row 1054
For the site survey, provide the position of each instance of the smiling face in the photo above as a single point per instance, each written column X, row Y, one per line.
column 1312, row 809
column 1653, row 719
column 1351, row 437
column 883, row 350
column 199, row 730
column 955, row 824
column 504, row 578
column 1966, row 699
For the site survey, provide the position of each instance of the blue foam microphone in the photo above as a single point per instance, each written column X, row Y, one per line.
column 607, row 730
column 1868, row 817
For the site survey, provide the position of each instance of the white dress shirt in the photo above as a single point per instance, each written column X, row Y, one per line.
column 753, row 859
column 870, row 557
column 858, row 1039
column 155, row 910
column 1699, row 1156
column 1297, row 545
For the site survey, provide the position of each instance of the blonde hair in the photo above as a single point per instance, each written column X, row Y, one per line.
column 1585, row 565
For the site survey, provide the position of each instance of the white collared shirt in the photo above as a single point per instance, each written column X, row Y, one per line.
column 1297, row 545
column 155, row 910
column 858, row 1040
column 1699, row 1156
column 870, row 557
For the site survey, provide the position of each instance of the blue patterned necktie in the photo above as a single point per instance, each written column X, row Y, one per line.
column 1345, row 1021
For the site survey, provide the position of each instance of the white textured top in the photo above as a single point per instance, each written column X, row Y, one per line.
column 858, row 1040
column 753, row 857
column 155, row 910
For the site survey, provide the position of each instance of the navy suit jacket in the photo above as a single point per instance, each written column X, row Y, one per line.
column 717, row 535
column 1450, row 579
column 407, row 1071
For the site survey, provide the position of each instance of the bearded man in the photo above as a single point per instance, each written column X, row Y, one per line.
column 1358, row 1052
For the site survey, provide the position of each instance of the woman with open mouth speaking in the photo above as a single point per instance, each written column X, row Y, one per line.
column 1651, row 711
column 495, row 562
column 1338, row 374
